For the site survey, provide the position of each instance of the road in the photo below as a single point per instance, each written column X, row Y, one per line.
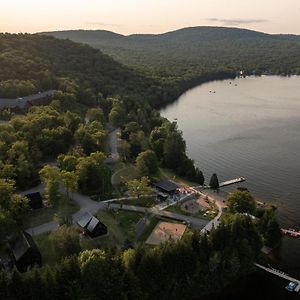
column 87, row 205
column 113, row 145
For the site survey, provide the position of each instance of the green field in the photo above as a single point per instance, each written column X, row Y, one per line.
column 46, row 214
column 165, row 174
column 178, row 210
column 143, row 202
column 127, row 172
column 121, row 228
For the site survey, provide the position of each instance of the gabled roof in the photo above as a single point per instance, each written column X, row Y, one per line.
column 167, row 185
column 92, row 225
column 20, row 244
column 85, row 220
column 89, row 222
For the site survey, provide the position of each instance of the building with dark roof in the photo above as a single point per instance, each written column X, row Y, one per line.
column 35, row 200
column 24, row 251
column 167, row 186
column 22, row 103
column 92, row 226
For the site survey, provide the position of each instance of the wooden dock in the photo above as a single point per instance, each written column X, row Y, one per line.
column 282, row 275
column 233, row 181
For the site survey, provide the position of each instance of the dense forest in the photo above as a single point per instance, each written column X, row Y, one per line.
column 196, row 266
column 189, row 56
column 32, row 63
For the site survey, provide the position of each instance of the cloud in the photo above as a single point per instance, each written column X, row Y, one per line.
column 102, row 24
column 237, row 21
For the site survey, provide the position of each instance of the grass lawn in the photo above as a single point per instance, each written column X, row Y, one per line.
column 127, row 172
column 165, row 174
column 144, row 202
column 178, row 210
column 121, row 227
column 46, row 247
column 127, row 221
column 46, row 214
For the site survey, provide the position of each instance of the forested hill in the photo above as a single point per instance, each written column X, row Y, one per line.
column 32, row 63
column 187, row 53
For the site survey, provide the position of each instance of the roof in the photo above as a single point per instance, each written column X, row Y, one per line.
column 93, row 224
column 167, row 185
column 84, row 221
column 20, row 244
column 89, row 222
column 21, row 102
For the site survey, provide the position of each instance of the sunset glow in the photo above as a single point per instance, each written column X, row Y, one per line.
column 140, row 16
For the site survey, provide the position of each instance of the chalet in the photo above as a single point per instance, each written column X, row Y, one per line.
column 167, row 186
column 92, row 226
column 24, row 252
column 35, row 200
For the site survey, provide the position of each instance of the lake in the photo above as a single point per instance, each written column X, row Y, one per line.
column 249, row 127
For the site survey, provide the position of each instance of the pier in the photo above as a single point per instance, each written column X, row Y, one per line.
column 282, row 275
column 233, row 181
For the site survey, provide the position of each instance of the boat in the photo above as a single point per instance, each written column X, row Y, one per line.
column 293, row 234
column 291, row 286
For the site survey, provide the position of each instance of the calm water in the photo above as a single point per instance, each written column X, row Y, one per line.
column 249, row 128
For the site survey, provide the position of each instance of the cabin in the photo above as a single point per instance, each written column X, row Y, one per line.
column 167, row 186
column 92, row 226
column 35, row 200
column 25, row 252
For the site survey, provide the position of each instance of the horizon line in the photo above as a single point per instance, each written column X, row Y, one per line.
column 158, row 33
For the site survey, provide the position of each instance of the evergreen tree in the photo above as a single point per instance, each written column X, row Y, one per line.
column 214, row 182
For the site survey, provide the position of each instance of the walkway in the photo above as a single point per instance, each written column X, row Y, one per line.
column 113, row 145
column 87, row 205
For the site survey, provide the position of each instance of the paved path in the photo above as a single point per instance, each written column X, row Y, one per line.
column 87, row 205
column 113, row 145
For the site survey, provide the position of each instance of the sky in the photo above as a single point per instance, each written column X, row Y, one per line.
column 148, row 16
